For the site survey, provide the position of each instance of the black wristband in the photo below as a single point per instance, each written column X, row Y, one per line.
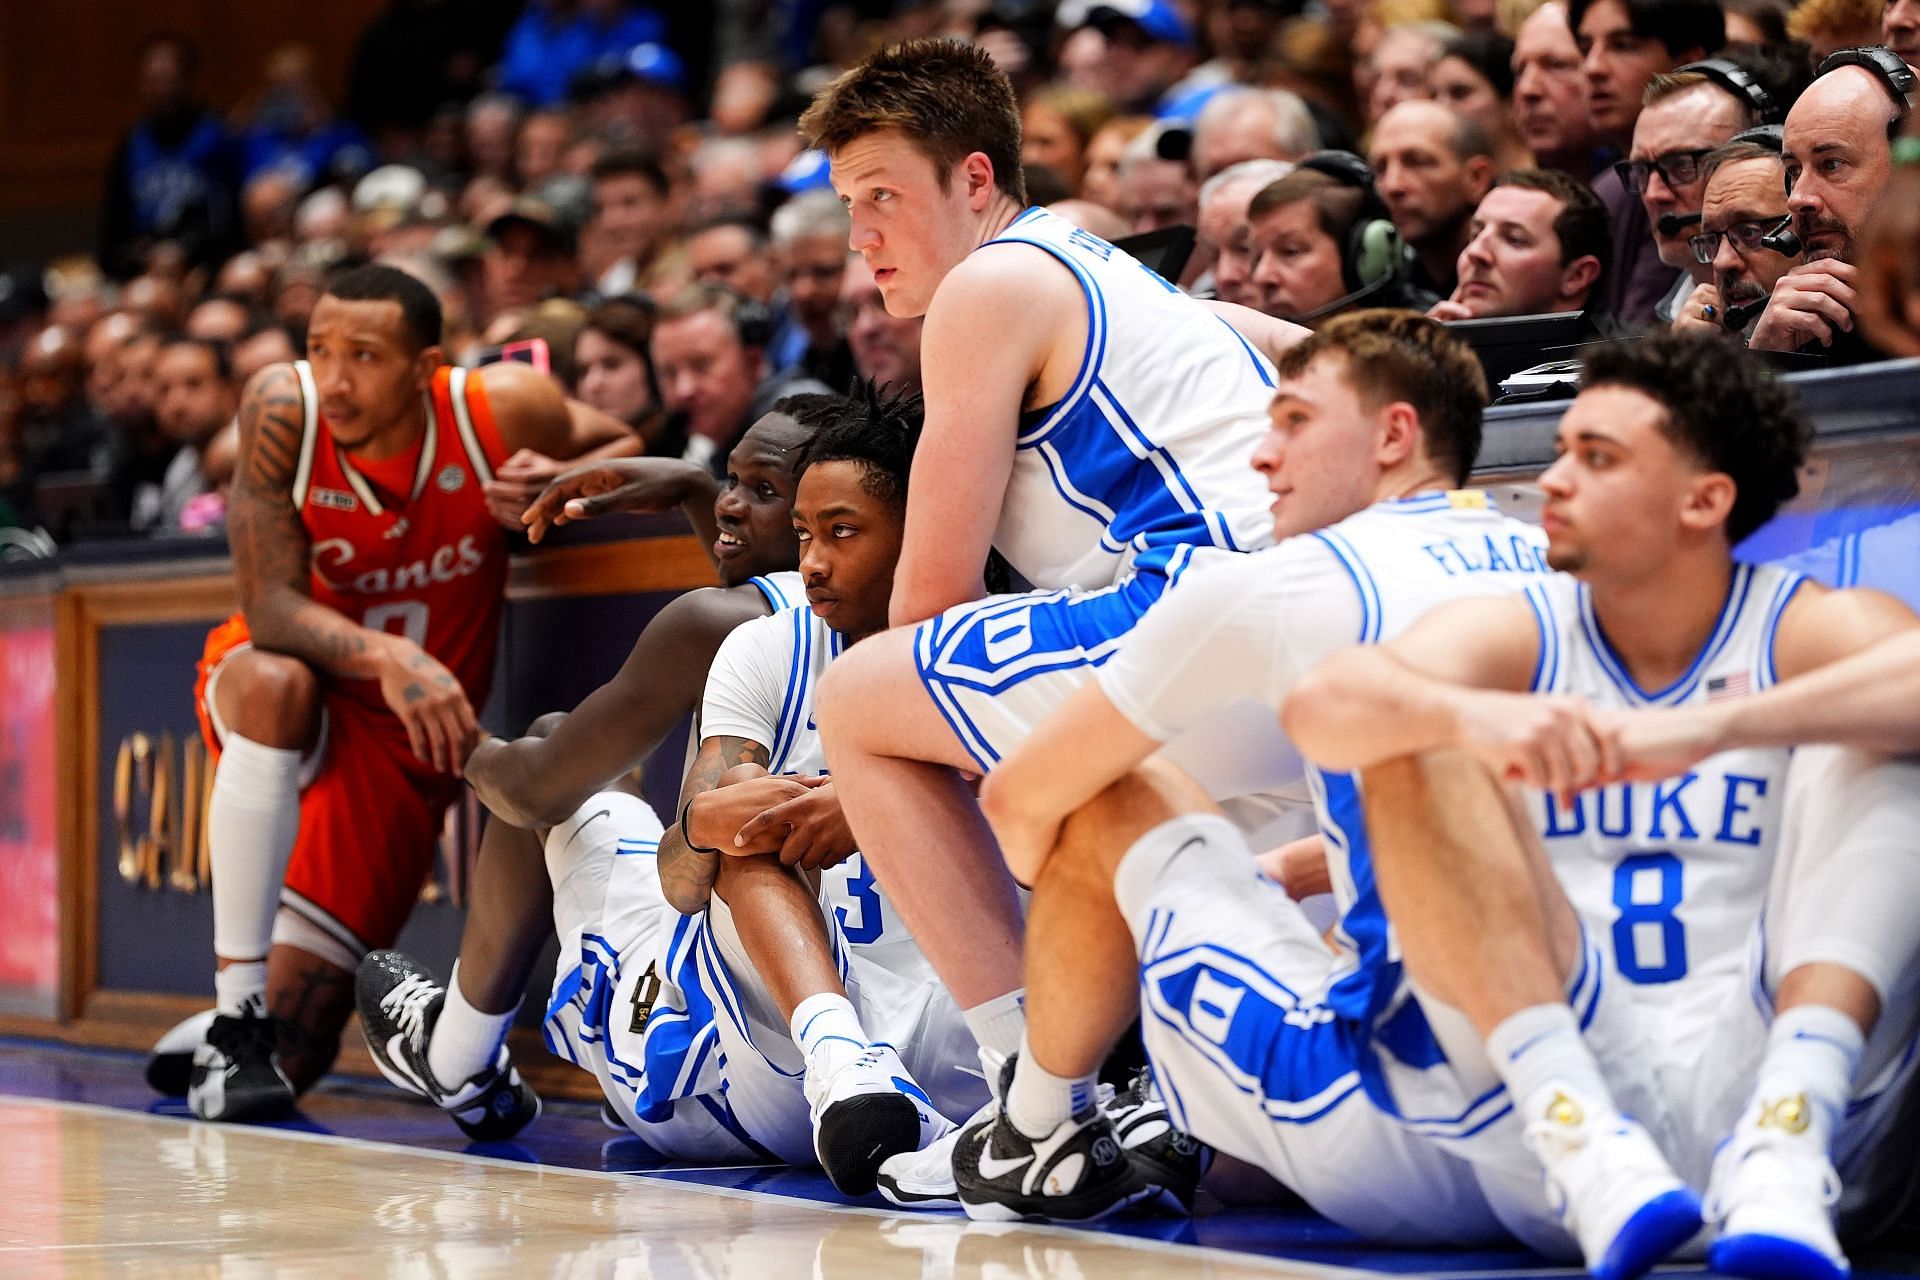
column 686, row 832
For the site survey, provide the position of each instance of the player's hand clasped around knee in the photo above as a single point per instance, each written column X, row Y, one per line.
column 441, row 726
column 808, row 831
column 1556, row 744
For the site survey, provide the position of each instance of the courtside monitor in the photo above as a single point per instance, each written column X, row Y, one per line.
column 1508, row 344
column 1164, row 252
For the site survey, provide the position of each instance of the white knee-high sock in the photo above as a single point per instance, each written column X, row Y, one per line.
column 251, row 823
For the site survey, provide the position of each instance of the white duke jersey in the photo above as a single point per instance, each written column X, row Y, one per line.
column 1149, row 449
column 1251, row 626
column 1669, row 877
column 761, row 688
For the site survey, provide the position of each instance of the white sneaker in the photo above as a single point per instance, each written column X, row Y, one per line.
column 1612, row 1188
column 1771, row 1201
column 923, row 1179
column 864, row 1110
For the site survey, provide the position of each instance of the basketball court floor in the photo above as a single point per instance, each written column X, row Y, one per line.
column 100, row 1178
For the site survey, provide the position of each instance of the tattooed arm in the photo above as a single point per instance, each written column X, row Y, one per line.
column 271, row 565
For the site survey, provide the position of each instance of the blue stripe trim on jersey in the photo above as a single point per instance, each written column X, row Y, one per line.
column 1096, row 345
column 1547, row 659
column 1073, row 497
column 775, row 598
column 1615, row 669
column 798, row 665
column 1260, row 364
column 1362, row 583
column 1782, row 596
column 722, row 1113
column 1850, row 560
column 1146, row 450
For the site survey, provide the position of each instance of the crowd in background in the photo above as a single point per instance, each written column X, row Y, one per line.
column 620, row 195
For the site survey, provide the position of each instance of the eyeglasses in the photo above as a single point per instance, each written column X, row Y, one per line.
column 1678, row 168
column 1746, row 237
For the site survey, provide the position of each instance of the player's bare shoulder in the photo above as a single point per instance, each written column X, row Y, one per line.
column 1009, row 305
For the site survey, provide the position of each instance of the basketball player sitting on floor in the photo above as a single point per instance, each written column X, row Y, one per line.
column 1659, row 705
column 554, row 787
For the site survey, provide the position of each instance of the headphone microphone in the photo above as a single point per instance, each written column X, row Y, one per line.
column 1672, row 224
column 1344, row 300
column 1783, row 239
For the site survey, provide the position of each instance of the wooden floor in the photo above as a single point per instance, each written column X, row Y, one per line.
column 88, row 1191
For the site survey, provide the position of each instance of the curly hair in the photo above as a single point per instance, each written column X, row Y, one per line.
column 875, row 426
column 1723, row 406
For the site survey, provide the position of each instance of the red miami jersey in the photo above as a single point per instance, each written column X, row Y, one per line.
column 407, row 545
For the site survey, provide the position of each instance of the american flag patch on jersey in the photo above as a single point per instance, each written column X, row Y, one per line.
column 1737, row 685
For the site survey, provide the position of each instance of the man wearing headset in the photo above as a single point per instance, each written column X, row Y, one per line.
column 709, row 350
column 1745, row 239
column 1839, row 159
column 1324, row 243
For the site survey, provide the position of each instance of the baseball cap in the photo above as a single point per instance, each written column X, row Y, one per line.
column 531, row 211
column 1159, row 19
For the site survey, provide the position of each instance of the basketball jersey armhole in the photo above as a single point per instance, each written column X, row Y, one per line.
column 309, row 423
column 473, row 420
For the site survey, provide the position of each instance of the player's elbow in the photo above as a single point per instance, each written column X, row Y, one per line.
column 1314, row 712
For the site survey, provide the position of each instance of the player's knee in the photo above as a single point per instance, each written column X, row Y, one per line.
column 737, row 876
column 270, row 698
column 544, row 726
column 1101, row 831
column 843, row 700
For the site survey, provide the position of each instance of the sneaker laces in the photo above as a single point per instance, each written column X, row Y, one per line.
column 1779, row 1161
column 407, row 1005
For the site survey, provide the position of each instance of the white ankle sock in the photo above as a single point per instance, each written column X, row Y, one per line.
column 252, row 820
column 1539, row 1053
column 1038, row 1102
column 1812, row 1054
column 465, row 1040
column 999, row 1024
column 240, row 987
column 828, row 1030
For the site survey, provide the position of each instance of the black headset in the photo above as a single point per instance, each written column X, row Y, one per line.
column 1371, row 258
column 1895, row 76
column 1739, row 82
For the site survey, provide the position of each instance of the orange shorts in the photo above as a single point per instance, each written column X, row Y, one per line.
column 370, row 812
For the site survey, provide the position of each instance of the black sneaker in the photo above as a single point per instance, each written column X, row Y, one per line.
column 1077, row 1173
column 235, row 1077
column 1169, row 1160
column 399, row 1003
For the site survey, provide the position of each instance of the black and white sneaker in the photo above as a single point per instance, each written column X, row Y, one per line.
column 1077, row 1173
column 399, row 1003
column 1170, row 1161
column 235, row 1077
column 170, row 1068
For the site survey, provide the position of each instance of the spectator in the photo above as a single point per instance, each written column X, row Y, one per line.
column 268, row 343
column 1088, row 216
column 1744, row 197
column 1756, row 22
column 1056, row 127
column 1242, row 33
column 1900, row 30
column 1101, row 183
column 175, row 174
column 1306, row 230
column 727, row 177
column 1624, row 44
column 886, row 348
column 541, row 149
column 709, row 353
column 1550, row 93
column 55, row 428
column 1401, row 65
column 1685, row 117
column 1839, row 160
column 1539, row 246
column 1474, row 76
column 641, row 98
column 246, row 278
column 1148, row 48
column 616, row 372
column 1251, row 124
column 1225, row 228
column 1827, row 26
column 528, row 257
column 197, row 398
column 630, row 210
column 491, row 126
column 1432, row 167
column 810, row 247
column 730, row 252
column 555, row 40
column 291, row 128
column 1158, row 192
column 219, row 319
